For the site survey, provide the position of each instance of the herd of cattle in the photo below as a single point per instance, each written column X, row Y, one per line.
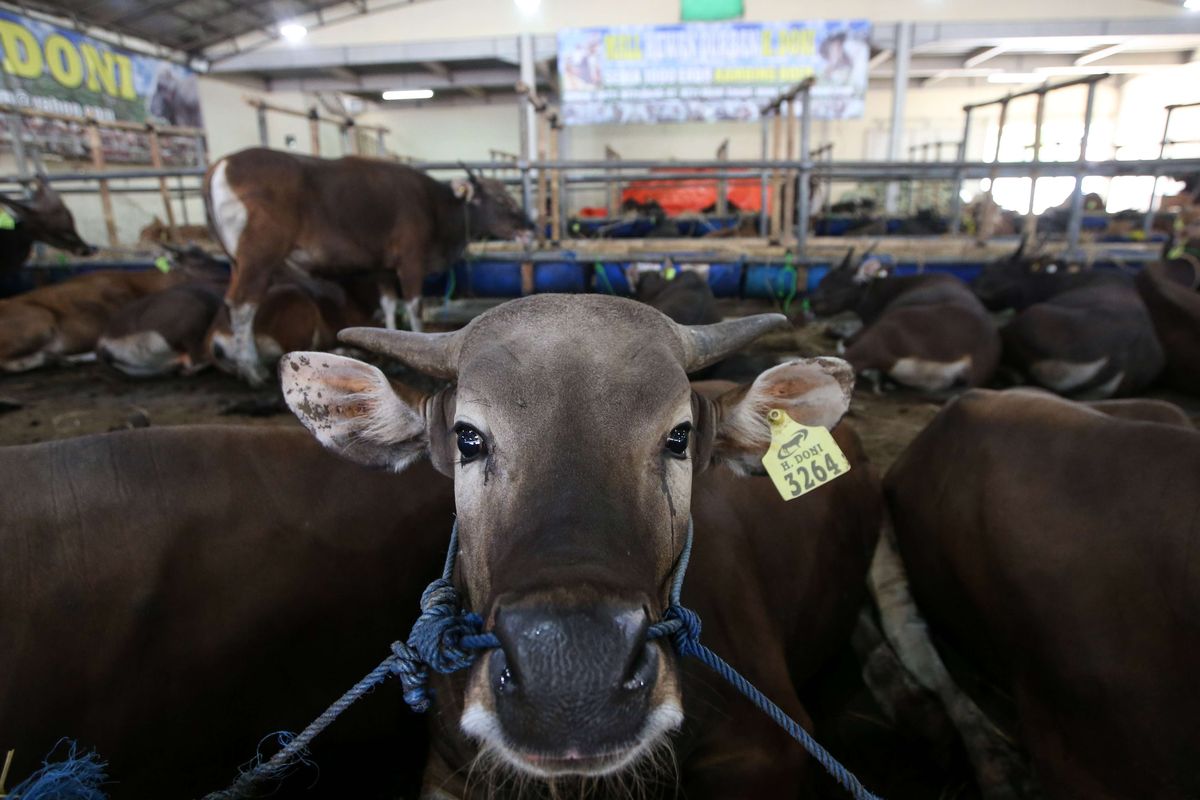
column 1025, row 575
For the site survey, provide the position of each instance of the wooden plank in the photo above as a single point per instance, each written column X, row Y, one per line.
column 157, row 162
column 97, row 147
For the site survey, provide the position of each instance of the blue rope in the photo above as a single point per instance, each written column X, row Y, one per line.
column 446, row 639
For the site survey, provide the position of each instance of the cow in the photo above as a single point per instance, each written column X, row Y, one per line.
column 579, row 451
column 42, row 218
column 686, row 297
column 166, row 332
column 1083, row 333
column 66, row 319
column 1169, row 290
column 171, row 595
column 1050, row 548
column 925, row 331
column 270, row 208
column 175, row 98
column 298, row 311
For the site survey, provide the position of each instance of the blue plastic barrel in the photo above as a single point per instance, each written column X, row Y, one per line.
column 608, row 277
column 725, row 278
column 558, row 276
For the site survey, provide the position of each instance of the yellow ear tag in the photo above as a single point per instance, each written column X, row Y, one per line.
column 7, row 223
column 163, row 264
column 801, row 457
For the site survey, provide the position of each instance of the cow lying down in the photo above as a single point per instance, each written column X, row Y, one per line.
column 925, row 331
column 579, row 451
column 1051, row 547
column 185, row 327
column 1171, row 292
column 65, row 319
column 1083, row 333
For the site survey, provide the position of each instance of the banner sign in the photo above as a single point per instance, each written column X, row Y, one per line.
column 710, row 71
column 59, row 70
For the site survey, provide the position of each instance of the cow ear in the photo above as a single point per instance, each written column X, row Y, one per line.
column 464, row 189
column 812, row 391
column 354, row 410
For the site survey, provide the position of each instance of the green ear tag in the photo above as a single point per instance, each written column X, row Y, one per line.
column 801, row 457
column 670, row 272
column 163, row 264
column 7, row 223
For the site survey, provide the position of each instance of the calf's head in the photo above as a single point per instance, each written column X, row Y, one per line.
column 572, row 435
column 844, row 286
column 1010, row 282
column 48, row 219
column 491, row 209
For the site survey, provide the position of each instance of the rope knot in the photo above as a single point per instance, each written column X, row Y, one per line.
column 438, row 632
column 686, row 634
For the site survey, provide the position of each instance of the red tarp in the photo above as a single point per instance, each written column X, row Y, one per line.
column 678, row 197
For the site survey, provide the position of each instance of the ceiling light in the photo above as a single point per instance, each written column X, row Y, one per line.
column 1015, row 77
column 531, row 6
column 1191, row 5
column 293, row 31
column 408, row 94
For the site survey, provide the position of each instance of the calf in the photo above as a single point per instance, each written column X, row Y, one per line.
column 271, row 208
column 1070, row 587
column 685, row 298
column 577, row 446
column 67, row 318
column 1078, row 332
column 1169, row 291
column 923, row 331
column 43, row 218
column 170, row 595
column 166, row 333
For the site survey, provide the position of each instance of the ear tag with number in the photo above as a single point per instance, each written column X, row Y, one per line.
column 163, row 264
column 801, row 457
column 7, row 223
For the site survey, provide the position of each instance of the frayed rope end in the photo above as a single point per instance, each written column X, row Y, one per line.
column 77, row 777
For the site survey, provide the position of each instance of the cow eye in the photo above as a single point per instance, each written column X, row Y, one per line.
column 471, row 444
column 677, row 440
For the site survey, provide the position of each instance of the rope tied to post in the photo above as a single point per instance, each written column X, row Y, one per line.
column 446, row 639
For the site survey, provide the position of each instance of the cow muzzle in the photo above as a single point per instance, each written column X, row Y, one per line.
column 573, row 692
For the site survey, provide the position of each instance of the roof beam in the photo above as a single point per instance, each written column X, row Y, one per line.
column 984, row 55
column 502, row 48
column 475, row 91
column 464, row 80
column 1101, row 53
column 439, row 69
column 879, row 59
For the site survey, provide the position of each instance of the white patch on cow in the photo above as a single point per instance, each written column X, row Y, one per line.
column 245, row 352
column 930, row 376
column 1066, row 376
column 229, row 212
column 413, row 308
column 141, row 354
column 481, row 724
column 24, row 363
column 389, row 304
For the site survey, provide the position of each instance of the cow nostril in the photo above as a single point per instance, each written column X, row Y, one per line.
column 641, row 674
column 218, row 351
column 502, row 675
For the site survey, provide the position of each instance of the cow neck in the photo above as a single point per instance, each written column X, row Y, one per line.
column 876, row 296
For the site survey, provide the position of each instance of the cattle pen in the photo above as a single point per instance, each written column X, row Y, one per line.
column 526, row 400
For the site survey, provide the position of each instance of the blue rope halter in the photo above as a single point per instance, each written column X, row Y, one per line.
column 446, row 639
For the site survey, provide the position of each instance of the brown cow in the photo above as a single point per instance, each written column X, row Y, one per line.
column 923, row 331
column 271, row 208
column 577, row 447
column 43, row 218
column 67, row 318
column 1051, row 547
column 1084, row 333
column 1169, row 291
column 171, row 595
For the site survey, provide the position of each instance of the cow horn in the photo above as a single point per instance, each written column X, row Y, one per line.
column 434, row 354
column 846, row 261
column 707, row 344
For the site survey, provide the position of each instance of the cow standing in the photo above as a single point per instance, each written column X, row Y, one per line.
column 925, row 331
column 1052, row 546
column 43, row 218
column 577, row 446
column 270, row 208
column 1083, row 333
column 1169, row 290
